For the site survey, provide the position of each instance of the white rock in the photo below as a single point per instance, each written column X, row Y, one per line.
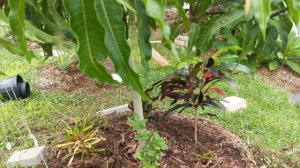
column 295, row 99
column 26, row 158
column 234, row 104
column 8, row 146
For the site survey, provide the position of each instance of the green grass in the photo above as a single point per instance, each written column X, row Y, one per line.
column 44, row 111
column 269, row 122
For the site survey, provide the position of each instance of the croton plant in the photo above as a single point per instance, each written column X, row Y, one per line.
column 191, row 87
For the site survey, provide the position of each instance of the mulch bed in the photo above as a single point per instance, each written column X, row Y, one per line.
column 51, row 78
column 225, row 148
column 283, row 78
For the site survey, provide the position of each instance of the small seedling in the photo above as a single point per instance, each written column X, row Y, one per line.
column 192, row 87
column 206, row 156
column 81, row 140
column 153, row 144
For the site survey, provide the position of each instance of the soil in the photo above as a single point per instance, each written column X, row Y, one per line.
column 52, row 78
column 223, row 149
column 282, row 78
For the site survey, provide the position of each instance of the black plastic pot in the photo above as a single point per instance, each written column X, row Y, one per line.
column 14, row 88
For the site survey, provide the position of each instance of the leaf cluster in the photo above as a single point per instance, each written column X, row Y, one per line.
column 153, row 144
column 191, row 87
column 82, row 139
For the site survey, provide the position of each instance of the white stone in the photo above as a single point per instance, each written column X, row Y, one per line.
column 295, row 99
column 234, row 104
column 118, row 109
column 26, row 158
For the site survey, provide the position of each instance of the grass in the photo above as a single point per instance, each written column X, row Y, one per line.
column 269, row 122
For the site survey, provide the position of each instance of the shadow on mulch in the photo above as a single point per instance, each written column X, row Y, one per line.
column 222, row 148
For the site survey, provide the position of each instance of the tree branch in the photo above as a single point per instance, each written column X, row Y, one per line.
column 279, row 12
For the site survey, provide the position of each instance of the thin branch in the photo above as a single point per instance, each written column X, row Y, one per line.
column 214, row 13
column 279, row 12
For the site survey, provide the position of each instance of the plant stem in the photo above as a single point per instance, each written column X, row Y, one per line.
column 196, row 124
column 137, row 104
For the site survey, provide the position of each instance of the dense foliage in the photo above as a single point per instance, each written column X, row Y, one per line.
column 98, row 30
column 264, row 33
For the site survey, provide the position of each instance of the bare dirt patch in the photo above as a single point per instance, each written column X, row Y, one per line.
column 52, row 78
column 282, row 78
column 223, row 149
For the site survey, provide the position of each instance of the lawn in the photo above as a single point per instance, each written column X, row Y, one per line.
column 269, row 123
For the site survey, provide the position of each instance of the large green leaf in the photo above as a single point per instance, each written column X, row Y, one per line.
column 261, row 10
column 16, row 19
column 110, row 16
column 90, row 36
column 193, row 34
column 293, row 65
column 229, row 20
column 202, row 6
column 37, row 35
column 266, row 47
column 154, row 9
column 144, row 33
column 251, row 38
column 34, row 34
column 11, row 47
column 205, row 35
column 182, row 14
column 294, row 9
column 49, row 25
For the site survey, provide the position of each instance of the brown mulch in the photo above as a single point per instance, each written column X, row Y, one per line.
column 282, row 78
column 223, row 149
column 52, row 78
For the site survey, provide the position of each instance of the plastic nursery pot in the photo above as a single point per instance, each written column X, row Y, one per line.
column 14, row 88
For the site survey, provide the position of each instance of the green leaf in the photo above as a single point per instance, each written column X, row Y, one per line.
column 90, row 36
column 16, row 19
column 11, row 47
column 49, row 25
column 273, row 65
column 224, row 49
column 266, row 47
column 235, row 66
column 175, row 31
column 144, row 33
column 37, row 35
column 154, row 9
column 182, row 14
column 251, row 38
column 294, row 10
column 261, row 10
column 202, row 6
column 294, row 66
column 283, row 34
column 193, row 34
column 229, row 20
column 127, row 5
column 110, row 16
column 1, row 73
column 205, row 35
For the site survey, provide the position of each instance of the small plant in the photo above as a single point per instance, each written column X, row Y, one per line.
column 153, row 144
column 186, row 89
column 81, row 140
column 64, row 60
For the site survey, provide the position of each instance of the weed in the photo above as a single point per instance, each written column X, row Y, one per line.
column 153, row 144
column 81, row 140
